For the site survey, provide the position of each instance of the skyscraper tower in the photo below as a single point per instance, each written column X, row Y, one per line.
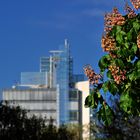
column 59, row 66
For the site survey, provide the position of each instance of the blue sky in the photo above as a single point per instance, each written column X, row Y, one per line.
column 30, row 28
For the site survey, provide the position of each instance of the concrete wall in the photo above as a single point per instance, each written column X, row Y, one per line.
column 84, row 88
column 40, row 102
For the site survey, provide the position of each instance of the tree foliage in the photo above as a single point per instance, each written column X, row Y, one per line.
column 119, row 67
column 15, row 124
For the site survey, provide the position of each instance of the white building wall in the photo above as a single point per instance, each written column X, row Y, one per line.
column 37, row 105
column 14, row 94
column 84, row 88
column 41, row 102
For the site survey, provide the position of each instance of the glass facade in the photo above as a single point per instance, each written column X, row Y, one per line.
column 56, row 71
column 73, row 115
column 73, row 95
column 34, row 78
column 63, row 71
column 60, row 68
column 44, row 64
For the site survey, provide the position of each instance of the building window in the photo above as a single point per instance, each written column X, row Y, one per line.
column 73, row 95
column 73, row 115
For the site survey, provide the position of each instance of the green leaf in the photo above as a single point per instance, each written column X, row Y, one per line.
column 118, row 29
column 105, row 86
column 109, row 115
column 119, row 38
column 115, row 30
column 129, row 35
column 122, row 52
column 126, row 102
column 89, row 101
column 113, row 89
column 97, row 98
column 134, row 48
column 122, row 32
column 105, row 114
column 104, row 62
column 119, row 63
column 137, row 74
column 93, row 99
column 136, row 25
column 109, row 75
column 127, row 85
column 126, row 45
column 99, row 95
column 138, row 64
column 131, row 76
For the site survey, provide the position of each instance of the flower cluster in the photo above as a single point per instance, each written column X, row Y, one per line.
column 92, row 76
column 136, row 3
column 112, row 19
column 108, row 43
column 118, row 75
column 138, row 41
column 130, row 12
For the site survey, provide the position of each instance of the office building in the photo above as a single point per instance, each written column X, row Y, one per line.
column 54, row 91
column 38, row 101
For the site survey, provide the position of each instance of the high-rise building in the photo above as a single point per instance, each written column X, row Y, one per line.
column 54, row 91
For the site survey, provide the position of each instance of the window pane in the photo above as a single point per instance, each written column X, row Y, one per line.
column 73, row 115
column 73, row 95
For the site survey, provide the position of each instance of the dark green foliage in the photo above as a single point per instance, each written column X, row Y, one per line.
column 104, row 62
column 93, row 99
column 16, row 125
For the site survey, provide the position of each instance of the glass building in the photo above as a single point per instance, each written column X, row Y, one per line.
column 60, row 68
column 56, row 72
column 63, row 79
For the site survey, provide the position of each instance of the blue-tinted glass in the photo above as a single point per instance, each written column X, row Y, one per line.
column 33, row 78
